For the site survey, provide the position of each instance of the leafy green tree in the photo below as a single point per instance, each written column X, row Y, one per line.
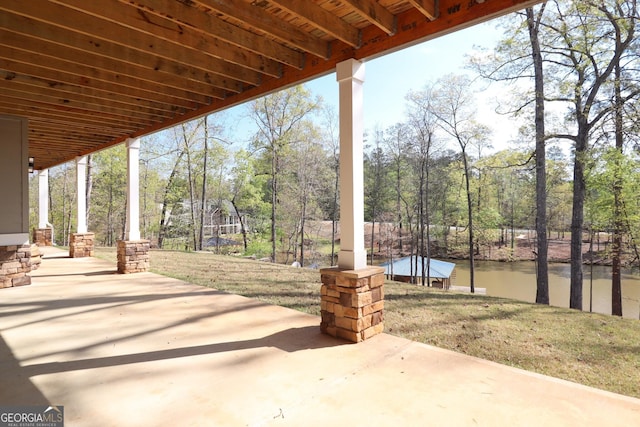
column 376, row 185
column 278, row 117
column 62, row 197
column 517, row 58
column 246, row 190
column 109, row 194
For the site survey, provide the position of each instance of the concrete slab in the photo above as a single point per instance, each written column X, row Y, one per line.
column 142, row 349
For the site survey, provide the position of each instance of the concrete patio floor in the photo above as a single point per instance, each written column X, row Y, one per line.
column 146, row 350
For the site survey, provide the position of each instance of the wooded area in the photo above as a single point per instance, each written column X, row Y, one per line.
column 433, row 180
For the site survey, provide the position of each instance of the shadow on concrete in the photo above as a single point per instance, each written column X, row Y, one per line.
column 92, row 273
column 108, row 303
column 288, row 340
column 17, row 388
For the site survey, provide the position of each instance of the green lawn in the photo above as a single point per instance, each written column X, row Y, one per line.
column 592, row 349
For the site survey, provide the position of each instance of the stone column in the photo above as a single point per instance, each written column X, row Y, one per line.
column 81, row 243
column 133, row 253
column 352, row 302
column 43, row 235
column 352, row 294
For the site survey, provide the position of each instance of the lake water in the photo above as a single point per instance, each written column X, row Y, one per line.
column 517, row 280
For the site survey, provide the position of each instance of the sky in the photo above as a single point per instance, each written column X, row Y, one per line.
column 389, row 78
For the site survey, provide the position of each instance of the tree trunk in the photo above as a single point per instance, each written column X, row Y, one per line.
column 274, row 201
column 618, row 224
column 302, row 223
column 203, row 199
column 542, row 276
column 89, row 186
column 336, row 185
column 470, row 223
column 165, row 200
column 192, row 191
column 421, row 216
column 577, row 222
column 427, row 217
column 243, row 230
column 373, row 228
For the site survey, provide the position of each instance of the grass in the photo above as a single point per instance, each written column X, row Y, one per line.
column 592, row 349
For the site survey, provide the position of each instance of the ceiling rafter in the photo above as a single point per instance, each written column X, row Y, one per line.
column 25, row 63
column 320, row 18
column 27, row 51
column 164, row 70
column 169, row 31
column 266, row 23
column 213, row 26
column 428, row 8
column 90, row 102
column 98, row 96
column 66, row 103
column 135, row 41
column 374, row 13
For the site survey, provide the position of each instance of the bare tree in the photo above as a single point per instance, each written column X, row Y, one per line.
column 452, row 103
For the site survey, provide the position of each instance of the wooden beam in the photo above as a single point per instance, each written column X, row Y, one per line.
column 66, row 113
column 78, row 128
column 158, row 82
column 320, row 18
column 40, row 85
column 106, row 54
column 268, row 24
column 180, row 36
column 373, row 12
column 428, row 8
column 88, row 102
column 44, row 114
column 207, row 24
column 135, row 41
column 66, row 103
column 75, row 74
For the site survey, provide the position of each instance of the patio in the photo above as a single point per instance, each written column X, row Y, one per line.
column 149, row 350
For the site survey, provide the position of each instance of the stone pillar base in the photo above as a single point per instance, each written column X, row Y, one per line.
column 15, row 263
column 36, row 257
column 352, row 303
column 42, row 236
column 133, row 256
column 81, row 245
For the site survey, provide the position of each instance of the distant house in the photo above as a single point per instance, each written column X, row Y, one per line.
column 442, row 273
column 219, row 218
column 223, row 219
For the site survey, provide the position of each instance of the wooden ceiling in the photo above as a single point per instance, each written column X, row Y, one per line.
column 89, row 74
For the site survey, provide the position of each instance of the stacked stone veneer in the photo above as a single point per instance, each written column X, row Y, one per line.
column 36, row 257
column 81, row 245
column 133, row 256
column 352, row 303
column 15, row 263
column 42, row 237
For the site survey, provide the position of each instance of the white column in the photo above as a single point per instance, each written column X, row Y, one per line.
column 43, row 198
column 81, row 185
column 350, row 76
column 133, row 190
